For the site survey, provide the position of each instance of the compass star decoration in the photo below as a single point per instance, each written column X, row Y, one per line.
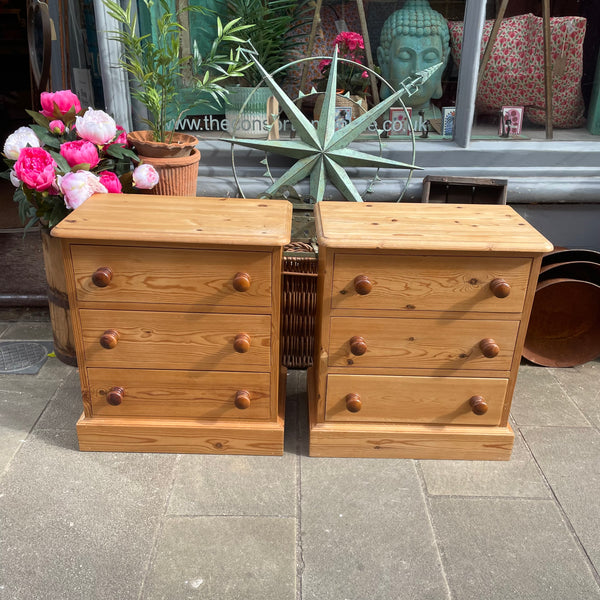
column 322, row 152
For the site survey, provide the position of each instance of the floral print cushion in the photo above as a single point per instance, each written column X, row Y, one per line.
column 514, row 74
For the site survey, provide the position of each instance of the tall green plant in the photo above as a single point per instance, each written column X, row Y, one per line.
column 274, row 31
column 156, row 66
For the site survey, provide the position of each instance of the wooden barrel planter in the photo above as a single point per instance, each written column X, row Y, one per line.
column 58, row 301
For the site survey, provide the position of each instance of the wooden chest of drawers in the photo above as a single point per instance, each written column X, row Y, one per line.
column 176, row 306
column 422, row 313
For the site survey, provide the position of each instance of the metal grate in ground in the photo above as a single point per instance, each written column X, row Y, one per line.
column 25, row 358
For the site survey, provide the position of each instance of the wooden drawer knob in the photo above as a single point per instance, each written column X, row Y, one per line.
column 489, row 348
column 102, row 276
column 241, row 282
column 115, row 396
column 478, row 405
column 109, row 339
column 358, row 346
column 500, row 287
column 362, row 285
column 242, row 399
column 353, row 403
column 241, row 343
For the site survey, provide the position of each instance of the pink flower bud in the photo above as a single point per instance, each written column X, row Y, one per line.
column 35, row 168
column 111, row 182
column 145, row 177
column 58, row 104
column 364, row 75
column 57, row 127
column 79, row 152
column 79, row 186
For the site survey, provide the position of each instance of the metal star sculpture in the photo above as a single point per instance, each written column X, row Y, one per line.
column 323, row 153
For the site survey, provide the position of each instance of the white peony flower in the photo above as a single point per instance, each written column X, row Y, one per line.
column 21, row 138
column 96, row 126
column 14, row 179
column 79, row 186
column 145, row 177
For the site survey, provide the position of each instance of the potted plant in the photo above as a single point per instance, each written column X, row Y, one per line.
column 156, row 67
column 272, row 35
column 352, row 81
column 56, row 164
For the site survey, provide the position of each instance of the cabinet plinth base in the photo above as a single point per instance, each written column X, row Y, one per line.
column 450, row 442
column 189, row 437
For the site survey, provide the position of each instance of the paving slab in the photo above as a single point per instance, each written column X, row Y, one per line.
column 570, row 459
column 540, row 401
column 519, row 477
column 581, row 386
column 224, row 558
column 500, row 549
column 366, row 533
column 78, row 525
column 28, row 330
column 65, row 407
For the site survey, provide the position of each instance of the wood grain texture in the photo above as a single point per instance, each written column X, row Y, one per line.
column 179, row 219
column 179, row 436
column 421, row 343
column 172, row 275
column 445, row 227
column 389, row 399
column 159, row 340
column 429, row 282
column 415, row 441
column 191, row 394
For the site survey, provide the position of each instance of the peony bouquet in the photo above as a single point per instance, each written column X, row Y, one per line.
column 350, row 77
column 67, row 155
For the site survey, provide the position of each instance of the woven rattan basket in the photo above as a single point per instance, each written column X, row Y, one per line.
column 298, row 305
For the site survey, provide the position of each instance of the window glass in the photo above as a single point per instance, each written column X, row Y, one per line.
column 512, row 97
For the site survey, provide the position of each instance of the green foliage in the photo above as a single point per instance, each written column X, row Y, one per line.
column 274, row 32
column 157, row 66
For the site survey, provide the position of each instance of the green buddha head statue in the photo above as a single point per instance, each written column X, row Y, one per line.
column 412, row 39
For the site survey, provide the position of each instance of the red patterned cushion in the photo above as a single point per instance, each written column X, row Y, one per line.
column 514, row 74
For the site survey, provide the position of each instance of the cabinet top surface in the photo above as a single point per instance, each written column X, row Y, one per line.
column 146, row 218
column 450, row 227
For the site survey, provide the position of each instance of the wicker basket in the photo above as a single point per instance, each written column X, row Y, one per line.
column 298, row 305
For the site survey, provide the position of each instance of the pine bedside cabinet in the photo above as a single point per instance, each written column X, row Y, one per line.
column 175, row 305
column 421, row 318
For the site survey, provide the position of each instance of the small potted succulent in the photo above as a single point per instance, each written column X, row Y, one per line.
column 156, row 67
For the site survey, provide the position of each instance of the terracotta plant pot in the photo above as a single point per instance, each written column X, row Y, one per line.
column 179, row 144
column 178, row 175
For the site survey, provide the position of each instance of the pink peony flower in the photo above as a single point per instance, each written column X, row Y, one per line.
column 35, row 168
column 96, row 126
column 145, row 177
column 57, row 127
column 111, row 182
column 122, row 137
column 324, row 64
column 58, row 104
column 79, row 152
column 79, row 186
column 364, row 75
column 16, row 141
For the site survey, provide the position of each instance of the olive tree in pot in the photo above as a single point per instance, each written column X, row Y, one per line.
column 156, row 68
column 272, row 35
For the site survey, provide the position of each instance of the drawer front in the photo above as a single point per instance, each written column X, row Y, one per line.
column 169, row 340
column 429, row 283
column 421, row 343
column 194, row 394
column 171, row 276
column 440, row 400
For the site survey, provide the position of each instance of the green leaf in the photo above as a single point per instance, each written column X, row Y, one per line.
column 39, row 118
column 63, row 165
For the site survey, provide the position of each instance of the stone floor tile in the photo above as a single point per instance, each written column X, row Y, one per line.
column 581, row 386
column 65, row 407
column 570, row 460
column 224, row 558
column 518, row 477
column 28, row 330
column 78, row 525
column 540, row 401
column 501, row 549
column 366, row 533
